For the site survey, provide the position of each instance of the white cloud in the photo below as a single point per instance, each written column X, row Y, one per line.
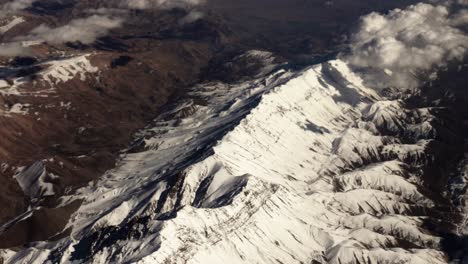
column 84, row 30
column 15, row 6
column 97, row 24
column 14, row 49
column 190, row 5
column 396, row 48
column 159, row 4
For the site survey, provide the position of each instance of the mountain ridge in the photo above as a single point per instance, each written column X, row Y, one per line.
column 369, row 201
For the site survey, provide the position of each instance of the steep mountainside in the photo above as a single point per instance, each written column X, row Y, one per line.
column 293, row 167
column 79, row 78
column 233, row 131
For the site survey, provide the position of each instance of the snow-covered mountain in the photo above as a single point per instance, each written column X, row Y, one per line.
column 290, row 166
column 248, row 131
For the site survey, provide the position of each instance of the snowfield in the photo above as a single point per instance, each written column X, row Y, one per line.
column 293, row 167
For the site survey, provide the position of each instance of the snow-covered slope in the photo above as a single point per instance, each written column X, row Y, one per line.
column 295, row 167
column 46, row 75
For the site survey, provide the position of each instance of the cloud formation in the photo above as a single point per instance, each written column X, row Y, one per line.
column 98, row 23
column 190, row 5
column 191, row 17
column 14, row 49
column 84, row 30
column 15, row 6
column 397, row 48
column 159, row 4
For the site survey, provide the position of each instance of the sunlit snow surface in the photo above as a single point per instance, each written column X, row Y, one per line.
column 288, row 168
column 52, row 73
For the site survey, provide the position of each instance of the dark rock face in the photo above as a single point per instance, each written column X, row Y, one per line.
column 450, row 93
column 121, row 61
column 22, row 61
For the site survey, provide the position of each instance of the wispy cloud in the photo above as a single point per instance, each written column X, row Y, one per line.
column 84, row 30
column 159, row 4
column 15, row 6
column 395, row 49
column 98, row 23
column 191, row 17
column 14, row 49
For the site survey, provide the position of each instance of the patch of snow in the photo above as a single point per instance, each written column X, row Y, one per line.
column 11, row 24
column 55, row 72
column 66, row 69
column 20, row 109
